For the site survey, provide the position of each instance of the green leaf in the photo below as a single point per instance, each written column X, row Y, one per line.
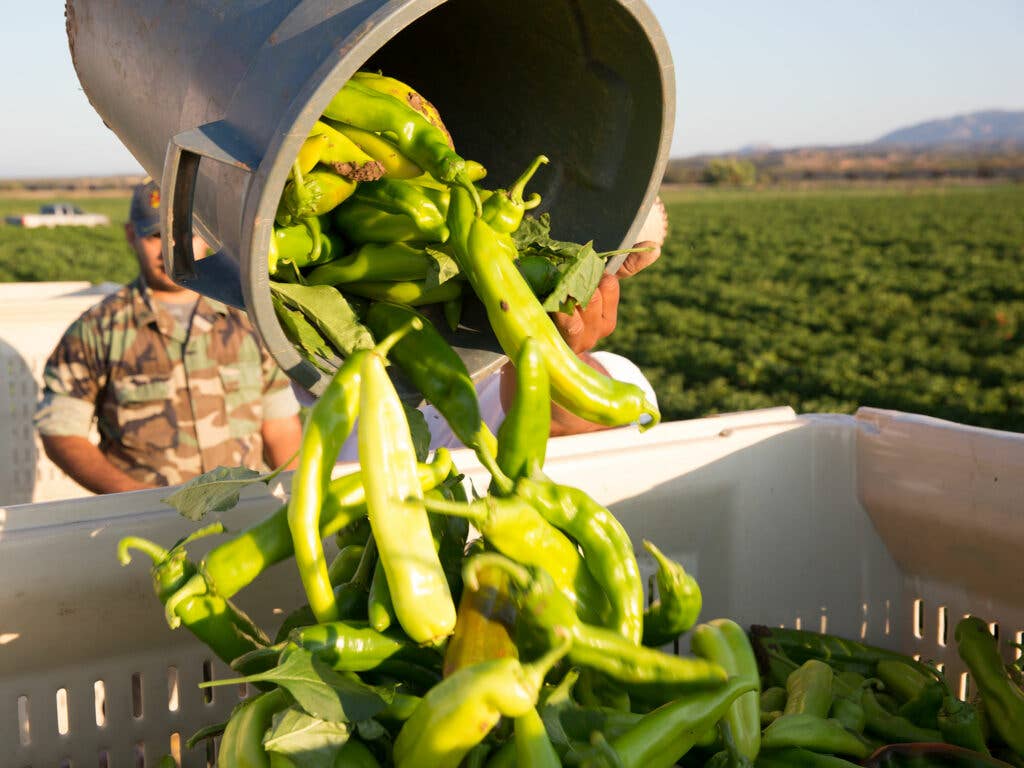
column 307, row 741
column 214, row 491
column 302, row 334
column 329, row 312
column 534, row 231
column 442, row 268
column 578, row 281
column 318, row 689
column 419, row 430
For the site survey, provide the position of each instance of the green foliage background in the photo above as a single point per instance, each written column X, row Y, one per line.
column 825, row 300
column 96, row 254
column 909, row 298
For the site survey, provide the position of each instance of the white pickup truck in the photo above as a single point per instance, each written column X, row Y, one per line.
column 58, row 215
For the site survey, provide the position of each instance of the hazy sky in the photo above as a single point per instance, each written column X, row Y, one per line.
column 748, row 72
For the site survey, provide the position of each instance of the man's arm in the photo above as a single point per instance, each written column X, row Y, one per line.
column 84, row 463
column 281, row 440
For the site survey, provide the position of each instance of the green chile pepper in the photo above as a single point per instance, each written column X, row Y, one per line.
column 362, row 223
column 344, row 564
column 678, row 604
column 815, row 733
column 412, row 293
column 523, row 435
column 797, row 757
column 809, row 689
column 332, row 148
column 413, row 134
column 374, row 262
column 724, row 642
column 394, row 503
column 487, row 259
column 241, row 744
column 890, row 727
column 313, row 194
column 533, row 746
column 179, row 586
column 773, row 699
column 357, row 647
column 541, row 603
column 1003, row 698
column 379, row 608
column 401, row 197
column 515, row 528
column 607, row 549
column 457, row 713
column 503, row 209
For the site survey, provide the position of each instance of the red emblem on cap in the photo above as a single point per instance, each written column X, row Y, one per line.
column 154, row 198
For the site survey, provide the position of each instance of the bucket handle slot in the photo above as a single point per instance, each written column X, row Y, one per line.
column 216, row 141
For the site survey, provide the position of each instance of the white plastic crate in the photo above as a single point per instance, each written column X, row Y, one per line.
column 884, row 527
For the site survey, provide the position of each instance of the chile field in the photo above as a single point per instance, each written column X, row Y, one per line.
column 899, row 297
column 909, row 298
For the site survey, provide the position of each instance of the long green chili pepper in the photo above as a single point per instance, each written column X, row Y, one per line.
column 813, row 732
column 846, row 696
column 313, row 194
column 340, row 153
column 809, row 689
column 503, row 209
column 773, row 699
column 406, row 94
column 439, row 374
column 839, row 653
column 396, row 165
column 533, row 746
column 607, row 549
column 380, row 610
column 327, row 428
column 413, row 293
column 344, row 564
column 523, row 435
column 361, row 223
column 892, row 728
column 241, row 745
column 724, row 642
column 731, row 756
column 402, row 197
column 678, row 604
column 413, row 134
column 1003, row 698
column 357, row 647
column 903, row 680
column 419, row 590
column 230, row 566
column 541, row 603
column 960, row 724
column 225, row 629
column 663, row 736
column 374, row 262
column 487, row 259
column 458, row 713
column 515, row 528
column 301, row 245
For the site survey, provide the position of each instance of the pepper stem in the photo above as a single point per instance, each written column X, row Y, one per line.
column 453, row 509
column 517, row 573
column 194, row 587
column 649, row 409
column 154, row 550
column 536, row 670
column 515, row 192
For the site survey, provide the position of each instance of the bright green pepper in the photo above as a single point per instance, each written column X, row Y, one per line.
column 503, row 209
column 346, row 158
column 241, row 745
column 460, row 711
column 313, row 194
column 890, row 727
column 487, row 259
column 362, row 223
column 413, row 134
column 379, row 608
column 413, row 293
column 404, row 198
column 344, row 564
column 329, row 424
column 178, row 585
column 607, row 549
column 635, row 667
column 1004, row 699
column 815, row 733
column 724, row 642
column 374, row 262
column 678, row 604
column 809, row 689
column 356, row 647
column 523, row 435
column 394, row 502
column 300, row 245
column 533, row 747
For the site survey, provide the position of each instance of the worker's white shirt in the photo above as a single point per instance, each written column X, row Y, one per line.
column 489, row 394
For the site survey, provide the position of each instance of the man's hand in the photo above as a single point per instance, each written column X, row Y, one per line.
column 281, row 440
column 84, row 463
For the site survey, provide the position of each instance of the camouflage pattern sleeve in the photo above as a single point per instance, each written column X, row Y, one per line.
column 72, row 381
column 278, row 397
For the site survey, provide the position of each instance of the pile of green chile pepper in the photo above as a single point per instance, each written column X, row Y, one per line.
column 527, row 642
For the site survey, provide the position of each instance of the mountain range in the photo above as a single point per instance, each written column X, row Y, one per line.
column 994, row 126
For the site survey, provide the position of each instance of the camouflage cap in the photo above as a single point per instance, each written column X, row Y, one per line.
column 145, row 209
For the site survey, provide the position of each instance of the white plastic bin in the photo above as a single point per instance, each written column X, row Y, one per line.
column 883, row 526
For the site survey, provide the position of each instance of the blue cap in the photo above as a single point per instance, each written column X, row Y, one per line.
column 145, row 210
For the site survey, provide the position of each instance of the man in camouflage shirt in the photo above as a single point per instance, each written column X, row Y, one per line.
column 178, row 382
